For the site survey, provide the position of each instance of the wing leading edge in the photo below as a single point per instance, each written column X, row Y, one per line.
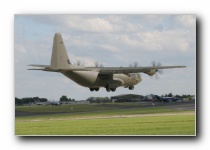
column 125, row 70
column 106, row 70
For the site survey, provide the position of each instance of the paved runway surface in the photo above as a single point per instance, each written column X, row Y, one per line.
column 188, row 105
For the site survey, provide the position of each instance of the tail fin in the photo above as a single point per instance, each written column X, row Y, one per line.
column 59, row 59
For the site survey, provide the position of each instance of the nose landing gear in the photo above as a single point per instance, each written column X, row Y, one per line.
column 131, row 87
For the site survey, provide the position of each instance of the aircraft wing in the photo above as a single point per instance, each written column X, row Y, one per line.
column 126, row 70
column 107, row 70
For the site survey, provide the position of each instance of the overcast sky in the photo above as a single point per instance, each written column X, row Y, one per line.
column 113, row 40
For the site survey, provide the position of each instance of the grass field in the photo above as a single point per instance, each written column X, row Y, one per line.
column 119, row 119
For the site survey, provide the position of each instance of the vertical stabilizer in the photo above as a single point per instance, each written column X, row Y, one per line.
column 59, row 59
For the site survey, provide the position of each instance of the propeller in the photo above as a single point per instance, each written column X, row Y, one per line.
column 97, row 64
column 135, row 64
column 158, row 71
column 79, row 63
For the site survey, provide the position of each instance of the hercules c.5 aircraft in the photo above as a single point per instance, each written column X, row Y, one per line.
column 95, row 77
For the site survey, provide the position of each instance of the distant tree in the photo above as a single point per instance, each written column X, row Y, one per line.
column 64, row 99
column 98, row 100
column 178, row 96
column 18, row 101
column 28, row 100
column 43, row 100
column 169, row 95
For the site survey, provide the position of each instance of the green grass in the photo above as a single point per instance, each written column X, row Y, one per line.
column 95, row 119
column 146, row 125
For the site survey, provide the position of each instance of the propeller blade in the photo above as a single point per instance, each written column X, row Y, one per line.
column 160, row 71
column 153, row 64
column 157, row 76
column 78, row 62
column 97, row 64
column 135, row 64
column 159, row 64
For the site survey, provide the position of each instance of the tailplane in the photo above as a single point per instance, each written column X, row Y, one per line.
column 59, row 59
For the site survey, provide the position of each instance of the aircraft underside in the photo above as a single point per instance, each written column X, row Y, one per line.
column 94, row 81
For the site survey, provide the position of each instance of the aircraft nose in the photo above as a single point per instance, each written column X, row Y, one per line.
column 138, row 80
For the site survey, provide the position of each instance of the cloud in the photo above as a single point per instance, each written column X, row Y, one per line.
column 89, row 24
column 166, row 41
column 188, row 21
column 158, row 40
column 139, row 31
column 84, row 61
column 110, row 48
column 20, row 48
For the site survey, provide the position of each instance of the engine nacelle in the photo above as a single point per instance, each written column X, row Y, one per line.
column 151, row 72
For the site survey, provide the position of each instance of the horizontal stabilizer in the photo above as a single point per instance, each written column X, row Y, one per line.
column 42, row 67
column 49, row 68
column 35, row 69
column 34, row 65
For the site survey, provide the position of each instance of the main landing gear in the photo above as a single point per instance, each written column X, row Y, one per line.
column 94, row 89
column 131, row 87
column 110, row 89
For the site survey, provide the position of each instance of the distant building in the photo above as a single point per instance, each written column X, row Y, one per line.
column 127, row 98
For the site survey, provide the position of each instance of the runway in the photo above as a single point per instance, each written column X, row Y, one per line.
column 187, row 105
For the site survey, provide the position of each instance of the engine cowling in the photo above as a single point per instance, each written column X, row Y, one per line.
column 151, row 72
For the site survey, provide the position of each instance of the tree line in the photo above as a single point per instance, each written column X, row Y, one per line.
column 64, row 99
column 31, row 100
column 98, row 100
column 178, row 96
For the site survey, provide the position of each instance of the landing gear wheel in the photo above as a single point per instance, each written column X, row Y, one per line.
column 113, row 89
column 108, row 89
column 131, row 87
column 94, row 89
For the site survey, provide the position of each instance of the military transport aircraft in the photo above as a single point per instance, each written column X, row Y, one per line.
column 96, row 77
